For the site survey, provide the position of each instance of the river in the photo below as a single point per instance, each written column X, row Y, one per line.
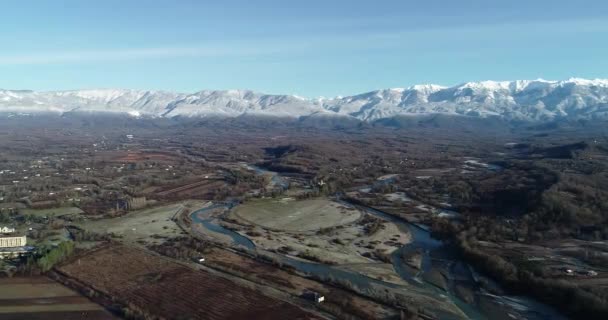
column 433, row 253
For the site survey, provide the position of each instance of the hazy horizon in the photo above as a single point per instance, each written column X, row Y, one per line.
column 313, row 49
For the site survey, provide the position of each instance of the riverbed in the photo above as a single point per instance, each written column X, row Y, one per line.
column 434, row 256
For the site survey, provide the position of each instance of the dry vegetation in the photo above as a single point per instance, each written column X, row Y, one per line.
column 35, row 298
column 530, row 201
column 155, row 286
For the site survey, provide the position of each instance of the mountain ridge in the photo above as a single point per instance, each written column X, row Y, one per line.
column 521, row 100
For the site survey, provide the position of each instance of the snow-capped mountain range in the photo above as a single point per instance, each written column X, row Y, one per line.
column 531, row 100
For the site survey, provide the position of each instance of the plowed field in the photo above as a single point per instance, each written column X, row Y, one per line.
column 168, row 289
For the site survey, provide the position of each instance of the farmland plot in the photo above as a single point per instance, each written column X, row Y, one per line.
column 165, row 288
column 35, row 298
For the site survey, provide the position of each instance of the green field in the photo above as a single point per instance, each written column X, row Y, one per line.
column 52, row 211
column 148, row 225
column 296, row 216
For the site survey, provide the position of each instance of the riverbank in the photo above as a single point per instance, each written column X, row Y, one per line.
column 318, row 230
column 403, row 294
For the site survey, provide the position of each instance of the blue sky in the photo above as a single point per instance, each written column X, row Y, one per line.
column 311, row 48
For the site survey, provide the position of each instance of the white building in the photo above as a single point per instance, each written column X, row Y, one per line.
column 9, row 242
column 13, row 247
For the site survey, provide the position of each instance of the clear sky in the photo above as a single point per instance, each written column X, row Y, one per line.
column 306, row 47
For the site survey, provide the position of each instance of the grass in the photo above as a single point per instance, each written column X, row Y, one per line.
column 148, row 225
column 52, row 211
column 296, row 216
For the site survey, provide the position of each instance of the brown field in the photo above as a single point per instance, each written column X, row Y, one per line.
column 142, row 156
column 165, row 288
column 199, row 187
column 41, row 298
column 64, row 315
column 137, row 156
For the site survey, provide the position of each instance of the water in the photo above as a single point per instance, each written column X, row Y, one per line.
column 325, row 272
column 202, row 216
column 322, row 271
column 421, row 241
column 276, row 179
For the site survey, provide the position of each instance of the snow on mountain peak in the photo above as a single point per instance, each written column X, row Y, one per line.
column 588, row 82
column 134, row 113
column 488, row 85
column 426, row 87
column 532, row 100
